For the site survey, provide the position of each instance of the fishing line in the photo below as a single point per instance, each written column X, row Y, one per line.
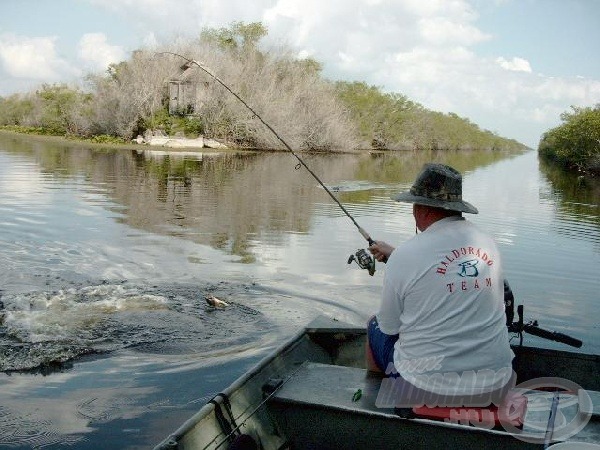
column 255, row 410
column 300, row 160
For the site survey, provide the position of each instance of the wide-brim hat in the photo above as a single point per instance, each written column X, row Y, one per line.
column 439, row 186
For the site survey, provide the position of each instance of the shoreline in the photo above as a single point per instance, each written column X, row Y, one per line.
column 72, row 142
column 75, row 141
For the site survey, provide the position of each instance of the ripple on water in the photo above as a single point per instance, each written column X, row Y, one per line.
column 33, row 431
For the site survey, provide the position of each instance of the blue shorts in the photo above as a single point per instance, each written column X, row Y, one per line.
column 382, row 346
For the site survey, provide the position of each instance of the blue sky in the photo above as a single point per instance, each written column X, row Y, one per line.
column 511, row 66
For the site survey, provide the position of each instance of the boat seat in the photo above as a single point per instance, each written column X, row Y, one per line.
column 511, row 411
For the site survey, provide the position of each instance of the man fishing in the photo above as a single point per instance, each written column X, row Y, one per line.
column 441, row 324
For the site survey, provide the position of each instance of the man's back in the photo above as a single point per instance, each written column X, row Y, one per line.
column 443, row 294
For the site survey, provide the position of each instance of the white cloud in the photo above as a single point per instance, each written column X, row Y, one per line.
column 546, row 113
column 578, row 90
column 94, row 49
column 442, row 31
column 422, row 66
column 165, row 17
column 150, row 40
column 515, row 64
column 33, row 58
column 432, row 8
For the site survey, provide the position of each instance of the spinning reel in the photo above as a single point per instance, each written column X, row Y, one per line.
column 364, row 260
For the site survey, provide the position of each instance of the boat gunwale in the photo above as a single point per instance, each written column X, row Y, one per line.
column 209, row 407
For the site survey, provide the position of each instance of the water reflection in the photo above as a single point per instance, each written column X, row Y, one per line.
column 228, row 200
column 577, row 202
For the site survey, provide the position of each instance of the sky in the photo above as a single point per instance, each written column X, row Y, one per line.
column 510, row 66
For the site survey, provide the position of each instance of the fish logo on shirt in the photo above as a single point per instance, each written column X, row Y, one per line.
column 468, row 268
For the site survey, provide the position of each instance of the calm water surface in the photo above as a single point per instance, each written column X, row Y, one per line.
column 106, row 256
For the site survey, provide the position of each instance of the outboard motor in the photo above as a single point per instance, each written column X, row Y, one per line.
column 509, row 304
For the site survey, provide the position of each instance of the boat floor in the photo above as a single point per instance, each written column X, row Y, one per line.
column 317, row 407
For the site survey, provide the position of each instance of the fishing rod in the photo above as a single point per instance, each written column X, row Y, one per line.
column 362, row 258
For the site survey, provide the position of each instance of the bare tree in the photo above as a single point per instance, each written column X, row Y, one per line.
column 289, row 94
column 131, row 92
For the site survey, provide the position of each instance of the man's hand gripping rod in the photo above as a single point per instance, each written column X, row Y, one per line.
column 361, row 257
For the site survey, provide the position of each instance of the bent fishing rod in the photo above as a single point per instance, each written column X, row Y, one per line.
column 362, row 258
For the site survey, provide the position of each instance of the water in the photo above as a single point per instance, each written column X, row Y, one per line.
column 107, row 255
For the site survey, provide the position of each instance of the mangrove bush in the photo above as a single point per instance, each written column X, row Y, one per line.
column 575, row 144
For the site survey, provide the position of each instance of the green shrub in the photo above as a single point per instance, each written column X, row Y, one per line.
column 106, row 139
column 392, row 121
column 576, row 143
column 192, row 126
